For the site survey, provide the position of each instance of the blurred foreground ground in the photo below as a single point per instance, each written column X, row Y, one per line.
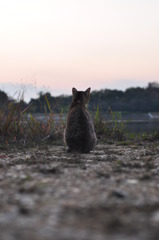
column 111, row 193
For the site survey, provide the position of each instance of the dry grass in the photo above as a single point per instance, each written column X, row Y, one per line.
column 20, row 127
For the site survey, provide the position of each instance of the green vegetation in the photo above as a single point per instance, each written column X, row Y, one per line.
column 20, row 128
column 113, row 130
column 18, row 125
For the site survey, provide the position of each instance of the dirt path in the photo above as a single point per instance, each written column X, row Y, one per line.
column 112, row 193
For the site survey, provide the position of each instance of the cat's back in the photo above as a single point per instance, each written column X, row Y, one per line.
column 78, row 116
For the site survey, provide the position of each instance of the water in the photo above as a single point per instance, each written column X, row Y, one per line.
column 137, row 122
column 142, row 126
column 134, row 122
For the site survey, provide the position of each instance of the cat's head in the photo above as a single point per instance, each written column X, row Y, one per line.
column 81, row 97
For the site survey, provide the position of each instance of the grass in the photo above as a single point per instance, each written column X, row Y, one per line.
column 115, row 130
column 109, row 130
column 19, row 127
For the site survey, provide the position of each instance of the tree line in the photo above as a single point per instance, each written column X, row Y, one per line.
column 135, row 99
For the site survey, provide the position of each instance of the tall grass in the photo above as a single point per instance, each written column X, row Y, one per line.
column 113, row 130
column 18, row 126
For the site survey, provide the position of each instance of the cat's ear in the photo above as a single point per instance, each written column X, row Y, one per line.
column 74, row 91
column 88, row 91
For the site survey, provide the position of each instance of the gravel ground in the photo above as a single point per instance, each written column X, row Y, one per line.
column 111, row 193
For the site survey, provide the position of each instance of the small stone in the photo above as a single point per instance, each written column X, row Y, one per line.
column 155, row 217
column 132, row 181
column 118, row 194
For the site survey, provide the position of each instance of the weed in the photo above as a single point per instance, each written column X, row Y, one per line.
column 21, row 127
column 155, row 135
column 115, row 129
column 97, row 116
column 18, row 126
column 109, row 130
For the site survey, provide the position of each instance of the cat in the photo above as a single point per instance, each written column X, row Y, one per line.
column 79, row 133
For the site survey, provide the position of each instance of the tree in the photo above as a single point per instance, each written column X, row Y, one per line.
column 3, row 98
column 153, row 85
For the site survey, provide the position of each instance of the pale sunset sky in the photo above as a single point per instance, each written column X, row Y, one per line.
column 54, row 45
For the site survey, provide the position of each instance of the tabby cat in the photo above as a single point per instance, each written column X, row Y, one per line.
column 79, row 133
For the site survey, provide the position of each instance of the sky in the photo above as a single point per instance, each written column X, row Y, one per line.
column 54, row 45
